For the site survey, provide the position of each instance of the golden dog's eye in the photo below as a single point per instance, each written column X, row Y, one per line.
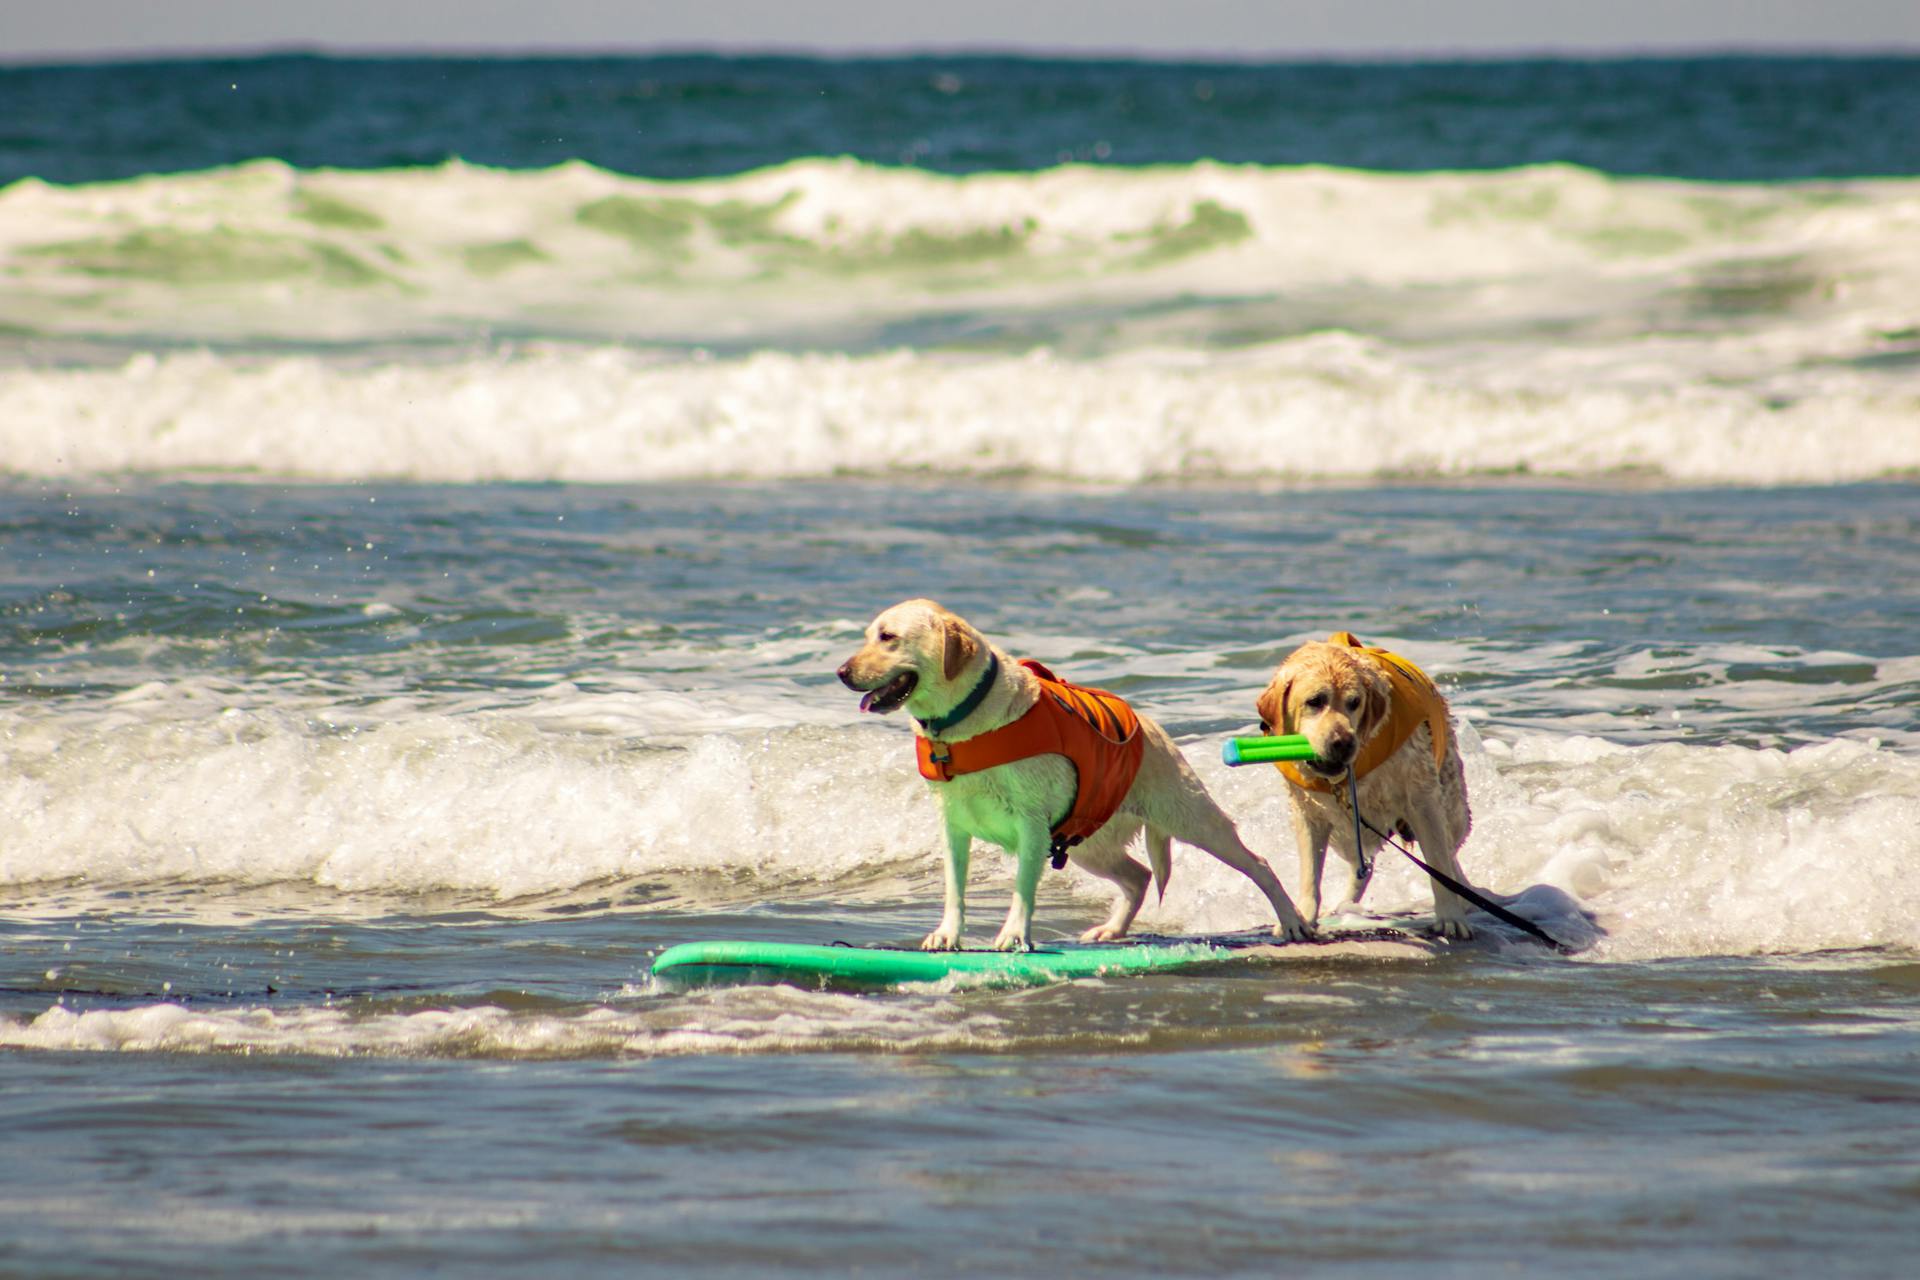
column 1353, row 702
column 1318, row 702
column 887, row 637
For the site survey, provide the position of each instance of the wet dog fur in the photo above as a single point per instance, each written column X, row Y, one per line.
column 920, row 656
column 1339, row 698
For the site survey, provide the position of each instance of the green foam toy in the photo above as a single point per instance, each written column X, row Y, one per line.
column 1266, row 750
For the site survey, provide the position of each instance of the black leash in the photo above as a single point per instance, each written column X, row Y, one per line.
column 1478, row 899
column 1363, row 865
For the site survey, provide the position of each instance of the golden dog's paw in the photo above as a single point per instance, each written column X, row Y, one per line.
column 940, row 940
column 1103, row 933
column 1010, row 941
column 1455, row 927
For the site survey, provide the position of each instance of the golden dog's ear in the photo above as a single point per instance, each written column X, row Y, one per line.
column 1273, row 708
column 1376, row 699
column 960, row 646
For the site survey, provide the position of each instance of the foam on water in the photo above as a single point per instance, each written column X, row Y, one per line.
column 489, row 806
column 1713, row 850
column 263, row 248
column 1090, row 324
column 1680, row 849
column 1683, row 413
column 751, row 1020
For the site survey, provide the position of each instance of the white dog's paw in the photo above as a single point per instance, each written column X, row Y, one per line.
column 940, row 940
column 1010, row 940
column 1294, row 930
column 1455, row 927
column 1103, row 933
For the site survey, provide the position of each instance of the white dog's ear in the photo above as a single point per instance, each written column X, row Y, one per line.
column 1272, row 706
column 960, row 647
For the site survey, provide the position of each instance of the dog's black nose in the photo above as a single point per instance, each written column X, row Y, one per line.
column 846, row 673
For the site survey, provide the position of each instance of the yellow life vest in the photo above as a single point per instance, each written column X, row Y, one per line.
column 1415, row 702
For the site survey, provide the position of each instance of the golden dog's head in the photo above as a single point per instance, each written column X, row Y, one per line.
column 1337, row 699
column 913, row 647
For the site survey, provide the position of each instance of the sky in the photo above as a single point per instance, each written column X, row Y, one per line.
column 43, row 30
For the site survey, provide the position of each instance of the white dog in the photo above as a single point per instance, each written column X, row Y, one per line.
column 1376, row 714
column 980, row 715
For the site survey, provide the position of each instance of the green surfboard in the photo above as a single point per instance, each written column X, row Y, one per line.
column 706, row 964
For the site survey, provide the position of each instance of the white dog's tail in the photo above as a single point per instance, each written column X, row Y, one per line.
column 1160, row 858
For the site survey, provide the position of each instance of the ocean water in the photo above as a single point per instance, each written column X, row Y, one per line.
column 434, row 497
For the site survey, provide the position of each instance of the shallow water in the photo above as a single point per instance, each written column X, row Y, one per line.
column 1684, row 1117
column 341, row 843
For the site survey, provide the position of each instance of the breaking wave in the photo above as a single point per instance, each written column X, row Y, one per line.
column 1681, row 849
column 1315, row 409
column 1093, row 325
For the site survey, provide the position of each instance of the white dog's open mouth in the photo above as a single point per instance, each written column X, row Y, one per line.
column 890, row 696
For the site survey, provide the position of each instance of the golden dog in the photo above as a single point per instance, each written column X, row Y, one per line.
column 1373, row 713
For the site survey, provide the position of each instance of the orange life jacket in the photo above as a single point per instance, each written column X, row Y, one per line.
column 1096, row 731
column 1415, row 702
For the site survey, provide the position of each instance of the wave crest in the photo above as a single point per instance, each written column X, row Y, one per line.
column 1332, row 407
column 266, row 250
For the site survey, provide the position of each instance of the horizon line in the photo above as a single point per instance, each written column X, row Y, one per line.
column 973, row 51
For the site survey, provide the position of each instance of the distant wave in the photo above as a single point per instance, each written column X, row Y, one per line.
column 1324, row 408
column 265, row 251
column 1087, row 324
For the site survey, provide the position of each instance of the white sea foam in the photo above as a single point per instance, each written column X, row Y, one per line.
column 1324, row 407
column 752, row 1020
column 1680, row 849
column 1150, row 324
column 490, row 806
column 1690, row 850
column 264, row 249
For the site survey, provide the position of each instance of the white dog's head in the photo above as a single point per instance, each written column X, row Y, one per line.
column 1337, row 699
column 916, row 647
